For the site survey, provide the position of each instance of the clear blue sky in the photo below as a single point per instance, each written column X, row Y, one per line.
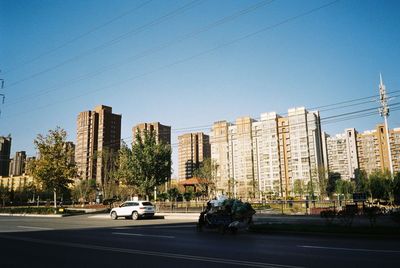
column 331, row 55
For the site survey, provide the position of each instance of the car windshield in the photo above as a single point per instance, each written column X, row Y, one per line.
column 147, row 204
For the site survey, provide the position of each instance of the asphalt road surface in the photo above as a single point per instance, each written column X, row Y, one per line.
column 87, row 241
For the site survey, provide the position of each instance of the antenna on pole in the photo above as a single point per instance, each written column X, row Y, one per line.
column 2, row 95
column 384, row 111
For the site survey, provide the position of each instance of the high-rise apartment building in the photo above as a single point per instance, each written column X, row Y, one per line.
column 220, row 155
column 240, row 147
column 98, row 133
column 395, row 148
column 343, row 153
column 367, row 150
column 258, row 158
column 373, row 151
column 5, row 150
column 265, row 154
column 338, row 158
column 352, row 152
column 193, row 148
column 162, row 132
column 29, row 159
column 17, row 164
column 300, row 148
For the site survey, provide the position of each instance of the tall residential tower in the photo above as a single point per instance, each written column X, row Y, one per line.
column 193, row 149
column 98, row 133
column 5, row 150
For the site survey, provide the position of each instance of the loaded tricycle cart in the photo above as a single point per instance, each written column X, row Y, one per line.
column 226, row 215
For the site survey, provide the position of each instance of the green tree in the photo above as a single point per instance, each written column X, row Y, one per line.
column 322, row 176
column 188, row 195
column 396, row 188
column 173, row 194
column 84, row 190
column 147, row 164
column 4, row 194
column 206, row 172
column 54, row 168
column 299, row 188
column 379, row 185
column 331, row 186
column 345, row 188
column 361, row 181
column 109, row 185
column 311, row 187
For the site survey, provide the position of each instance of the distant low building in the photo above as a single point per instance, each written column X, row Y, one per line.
column 17, row 164
column 16, row 182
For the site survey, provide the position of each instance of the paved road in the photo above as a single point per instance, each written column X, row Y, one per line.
column 84, row 241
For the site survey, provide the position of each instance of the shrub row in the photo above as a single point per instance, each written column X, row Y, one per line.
column 30, row 210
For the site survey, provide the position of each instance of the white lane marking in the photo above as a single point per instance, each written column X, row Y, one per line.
column 152, row 253
column 174, row 226
column 34, row 227
column 353, row 249
column 158, row 236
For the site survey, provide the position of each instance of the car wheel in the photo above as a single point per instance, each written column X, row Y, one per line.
column 135, row 215
column 114, row 215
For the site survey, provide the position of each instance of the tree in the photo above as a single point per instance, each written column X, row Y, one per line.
column 311, row 186
column 379, row 185
column 322, row 174
column 396, row 188
column 110, row 183
column 299, row 188
column 147, row 164
column 206, row 172
column 361, row 181
column 53, row 168
column 331, row 186
column 84, row 190
column 4, row 193
column 173, row 194
column 344, row 187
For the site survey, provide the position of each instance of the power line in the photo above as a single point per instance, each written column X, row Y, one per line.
column 114, row 41
column 167, row 66
column 148, row 52
column 80, row 36
column 323, row 121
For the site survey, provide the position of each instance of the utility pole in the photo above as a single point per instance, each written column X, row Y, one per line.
column 2, row 95
column 384, row 111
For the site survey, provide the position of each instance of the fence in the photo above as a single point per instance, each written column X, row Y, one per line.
column 285, row 207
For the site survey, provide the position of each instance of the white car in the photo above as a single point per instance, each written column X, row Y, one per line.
column 133, row 210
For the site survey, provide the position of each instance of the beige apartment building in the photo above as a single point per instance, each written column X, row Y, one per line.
column 193, row 148
column 265, row 154
column 265, row 157
column 98, row 132
column 338, row 158
column 341, row 153
column 162, row 132
column 300, row 148
column 17, row 164
column 17, row 182
column 373, row 150
column 240, row 148
column 367, row 150
column 220, row 155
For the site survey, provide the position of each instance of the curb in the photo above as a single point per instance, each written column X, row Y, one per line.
column 34, row 215
column 180, row 216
